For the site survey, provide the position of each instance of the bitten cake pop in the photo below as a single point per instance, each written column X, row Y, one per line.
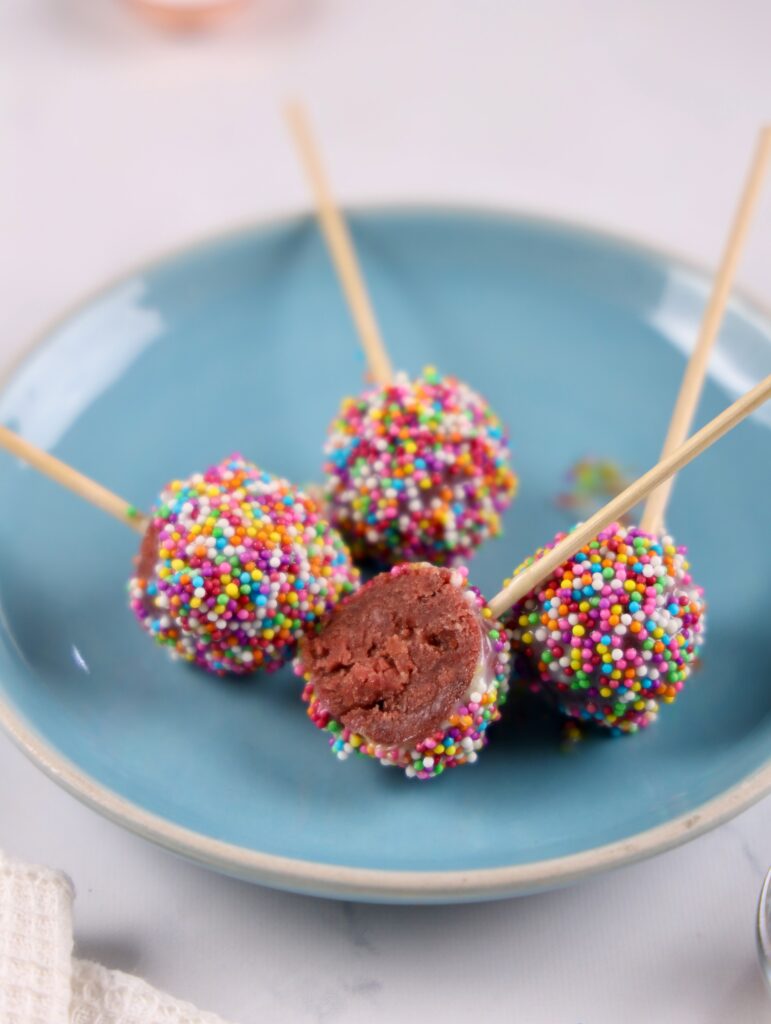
column 235, row 565
column 417, row 470
column 613, row 632
column 411, row 670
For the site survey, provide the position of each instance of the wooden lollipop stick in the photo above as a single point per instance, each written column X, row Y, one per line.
column 340, row 247
column 695, row 373
column 529, row 578
column 68, row 477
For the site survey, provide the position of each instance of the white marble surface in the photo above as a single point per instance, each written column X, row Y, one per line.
column 120, row 142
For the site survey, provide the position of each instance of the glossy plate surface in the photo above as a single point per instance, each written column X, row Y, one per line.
column 244, row 343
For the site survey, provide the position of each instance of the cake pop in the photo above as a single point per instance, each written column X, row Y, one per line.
column 613, row 632
column 234, row 566
column 417, row 470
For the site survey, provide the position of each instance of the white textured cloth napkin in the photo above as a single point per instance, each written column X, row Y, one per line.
column 42, row 983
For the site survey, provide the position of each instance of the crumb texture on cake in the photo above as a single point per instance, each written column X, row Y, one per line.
column 395, row 659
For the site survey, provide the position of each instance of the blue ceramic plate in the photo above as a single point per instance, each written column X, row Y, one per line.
column 244, row 343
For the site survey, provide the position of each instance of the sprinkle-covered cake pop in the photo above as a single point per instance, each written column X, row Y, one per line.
column 417, row 470
column 410, row 670
column 234, row 566
column 614, row 632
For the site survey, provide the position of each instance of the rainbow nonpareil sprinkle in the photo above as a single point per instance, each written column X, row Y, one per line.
column 457, row 740
column 418, row 471
column 235, row 566
column 614, row 632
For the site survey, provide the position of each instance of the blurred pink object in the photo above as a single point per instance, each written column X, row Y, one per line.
column 187, row 14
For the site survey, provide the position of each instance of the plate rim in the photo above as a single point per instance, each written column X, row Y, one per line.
column 340, row 881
